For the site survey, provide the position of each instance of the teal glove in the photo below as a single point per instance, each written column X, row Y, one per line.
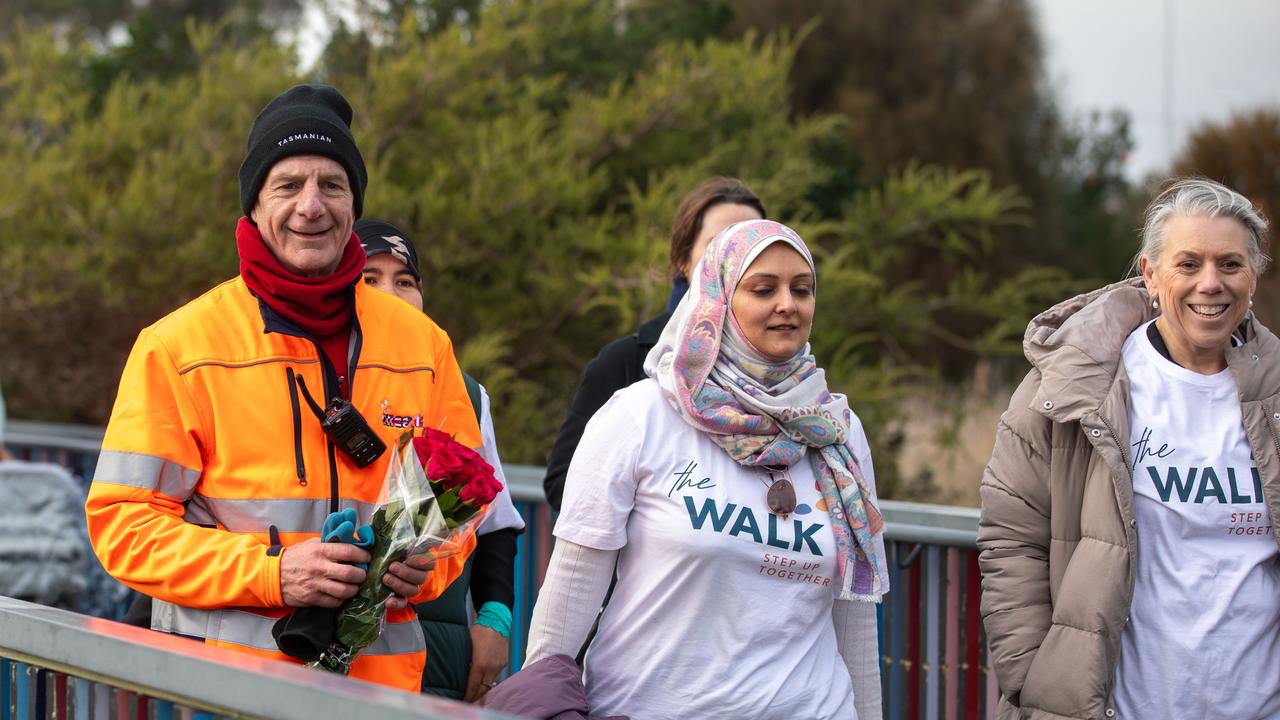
column 341, row 527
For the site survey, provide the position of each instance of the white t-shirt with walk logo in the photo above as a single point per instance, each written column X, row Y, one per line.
column 1203, row 638
column 722, row 609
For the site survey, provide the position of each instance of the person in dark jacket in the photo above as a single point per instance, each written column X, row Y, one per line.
column 704, row 212
column 465, row 658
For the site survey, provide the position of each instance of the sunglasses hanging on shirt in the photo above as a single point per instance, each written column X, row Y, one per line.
column 781, row 495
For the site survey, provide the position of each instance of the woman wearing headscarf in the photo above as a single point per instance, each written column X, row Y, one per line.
column 1129, row 513
column 734, row 494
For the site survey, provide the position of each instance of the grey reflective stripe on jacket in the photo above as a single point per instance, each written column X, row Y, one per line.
column 147, row 472
column 1057, row 536
column 249, row 629
column 288, row 515
column 248, row 515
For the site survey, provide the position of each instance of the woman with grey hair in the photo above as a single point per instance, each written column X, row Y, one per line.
column 1129, row 512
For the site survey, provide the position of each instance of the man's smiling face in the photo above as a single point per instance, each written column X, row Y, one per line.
column 305, row 211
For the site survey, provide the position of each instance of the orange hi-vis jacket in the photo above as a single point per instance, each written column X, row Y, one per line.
column 213, row 462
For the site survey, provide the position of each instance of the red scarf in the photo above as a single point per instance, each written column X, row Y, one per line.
column 322, row 307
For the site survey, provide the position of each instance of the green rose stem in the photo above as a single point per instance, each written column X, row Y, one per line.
column 360, row 621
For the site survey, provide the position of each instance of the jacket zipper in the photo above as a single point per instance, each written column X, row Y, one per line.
column 1116, row 437
column 297, row 428
column 1267, row 416
column 1110, row 696
column 332, row 389
column 353, row 355
column 333, row 480
column 353, row 350
column 1271, row 426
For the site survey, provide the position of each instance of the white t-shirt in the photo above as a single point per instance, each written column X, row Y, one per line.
column 1203, row 638
column 721, row 609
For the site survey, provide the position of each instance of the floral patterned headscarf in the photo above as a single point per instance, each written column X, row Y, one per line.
column 763, row 412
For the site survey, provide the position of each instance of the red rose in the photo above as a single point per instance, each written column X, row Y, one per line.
column 479, row 491
column 470, row 457
column 433, row 438
column 478, row 470
column 483, row 485
column 422, row 448
column 446, row 465
column 456, row 466
column 443, row 458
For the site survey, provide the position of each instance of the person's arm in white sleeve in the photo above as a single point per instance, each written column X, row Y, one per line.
column 599, row 496
column 570, row 599
column 858, row 641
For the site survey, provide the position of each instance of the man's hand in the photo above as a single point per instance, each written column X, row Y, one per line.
column 405, row 579
column 316, row 573
column 489, row 654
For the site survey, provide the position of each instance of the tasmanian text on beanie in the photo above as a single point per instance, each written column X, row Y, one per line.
column 303, row 120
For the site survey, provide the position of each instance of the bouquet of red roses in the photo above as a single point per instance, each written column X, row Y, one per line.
column 437, row 490
column 461, row 480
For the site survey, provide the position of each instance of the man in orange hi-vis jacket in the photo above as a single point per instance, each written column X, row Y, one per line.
column 216, row 472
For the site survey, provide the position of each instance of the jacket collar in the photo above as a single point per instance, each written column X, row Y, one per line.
column 1256, row 363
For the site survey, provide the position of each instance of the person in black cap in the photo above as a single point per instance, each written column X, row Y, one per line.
column 220, row 462
column 391, row 261
column 392, row 266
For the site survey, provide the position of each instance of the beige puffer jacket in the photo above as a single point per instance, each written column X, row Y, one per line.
column 1057, row 535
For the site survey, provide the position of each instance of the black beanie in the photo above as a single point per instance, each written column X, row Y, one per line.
column 303, row 120
column 379, row 236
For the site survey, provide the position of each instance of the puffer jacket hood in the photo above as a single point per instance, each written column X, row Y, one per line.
column 1076, row 346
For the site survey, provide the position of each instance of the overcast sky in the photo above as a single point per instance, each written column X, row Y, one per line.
column 1214, row 57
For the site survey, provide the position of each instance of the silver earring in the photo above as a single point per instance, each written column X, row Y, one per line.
column 1155, row 304
column 1250, row 302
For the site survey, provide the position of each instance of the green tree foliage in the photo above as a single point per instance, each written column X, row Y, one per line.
column 84, row 17
column 1243, row 154
column 525, row 187
column 960, row 83
column 1097, row 208
column 159, row 33
column 949, row 82
column 146, row 38
column 540, row 195
column 120, row 209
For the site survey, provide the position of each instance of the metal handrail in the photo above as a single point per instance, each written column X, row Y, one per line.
column 219, row 680
column 82, row 438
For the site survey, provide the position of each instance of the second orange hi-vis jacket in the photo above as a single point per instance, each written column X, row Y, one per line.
column 213, row 462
